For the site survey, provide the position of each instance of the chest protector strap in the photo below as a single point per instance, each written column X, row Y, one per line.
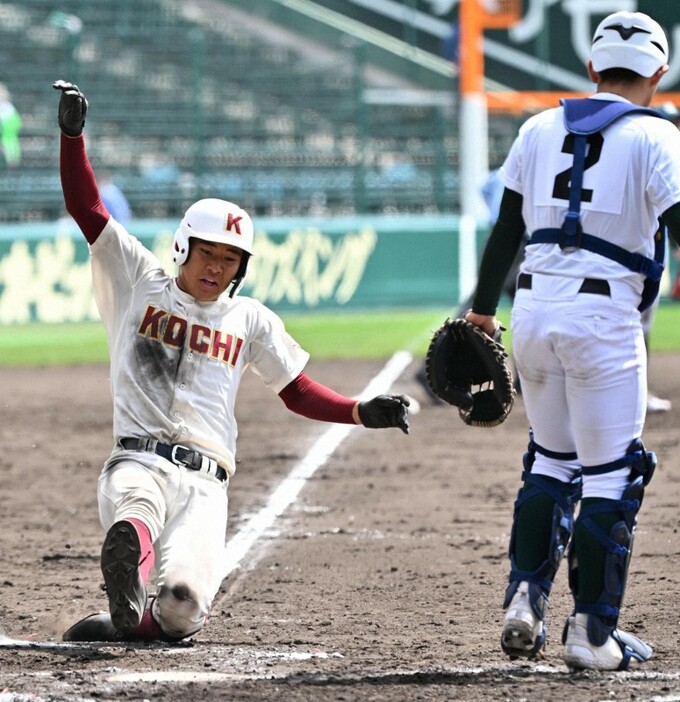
column 583, row 117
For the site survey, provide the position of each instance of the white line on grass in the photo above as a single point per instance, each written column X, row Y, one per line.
column 319, row 453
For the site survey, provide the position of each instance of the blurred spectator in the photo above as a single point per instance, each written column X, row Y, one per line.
column 114, row 200
column 492, row 193
column 398, row 167
column 10, row 126
column 451, row 44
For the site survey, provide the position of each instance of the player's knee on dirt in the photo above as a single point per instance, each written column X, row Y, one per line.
column 177, row 610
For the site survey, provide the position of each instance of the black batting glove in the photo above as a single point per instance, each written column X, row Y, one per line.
column 385, row 411
column 72, row 108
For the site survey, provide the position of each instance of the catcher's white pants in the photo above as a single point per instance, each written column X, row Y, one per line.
column 582, row 365
column 186, row 512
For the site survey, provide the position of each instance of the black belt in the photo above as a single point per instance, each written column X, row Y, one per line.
column 594, row 286
column 177, row 454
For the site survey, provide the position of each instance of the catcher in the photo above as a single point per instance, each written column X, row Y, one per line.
column 588, row 181
column 179, row 346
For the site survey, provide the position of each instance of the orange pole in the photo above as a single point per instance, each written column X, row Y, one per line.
column 471, row 48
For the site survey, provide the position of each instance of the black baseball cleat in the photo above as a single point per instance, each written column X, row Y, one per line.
column 124, row 585
column 95, row 627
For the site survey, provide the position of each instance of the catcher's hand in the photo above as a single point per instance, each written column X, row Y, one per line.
column 72, row 108
column 385, row 411
column 467, row 368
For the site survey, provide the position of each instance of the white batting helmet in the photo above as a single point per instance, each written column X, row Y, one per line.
column 629, row 40
column 213, row 220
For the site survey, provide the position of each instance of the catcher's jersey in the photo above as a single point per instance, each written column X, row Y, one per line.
column 176, row 363
column 632, row 175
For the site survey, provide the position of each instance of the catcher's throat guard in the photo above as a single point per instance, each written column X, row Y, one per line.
column 467, row 368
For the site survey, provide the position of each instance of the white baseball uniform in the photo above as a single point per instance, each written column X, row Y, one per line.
column 581, row 357
column 176, row 365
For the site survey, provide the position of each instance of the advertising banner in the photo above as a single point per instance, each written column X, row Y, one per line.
column 299, row 265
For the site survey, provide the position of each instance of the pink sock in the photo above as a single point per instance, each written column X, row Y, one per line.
column 146, row 553
column 149, row 629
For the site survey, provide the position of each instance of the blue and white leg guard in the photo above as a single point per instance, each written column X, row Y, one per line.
column 564, row 497
column 618, row 544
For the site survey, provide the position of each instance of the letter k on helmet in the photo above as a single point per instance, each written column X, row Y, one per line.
column 233, row 223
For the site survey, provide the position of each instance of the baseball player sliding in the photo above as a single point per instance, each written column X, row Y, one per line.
column 587, row 181
column 178, row 347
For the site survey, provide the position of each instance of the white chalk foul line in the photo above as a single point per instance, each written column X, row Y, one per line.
column 319, row 453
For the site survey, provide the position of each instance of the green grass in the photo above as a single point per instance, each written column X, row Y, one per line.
column 325, row 336
column 368, row 335
column 665, row 334
column 52, row 344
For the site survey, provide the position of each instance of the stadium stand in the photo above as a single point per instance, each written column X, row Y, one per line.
column 203, row 99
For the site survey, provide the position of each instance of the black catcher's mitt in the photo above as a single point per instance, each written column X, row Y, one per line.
column 467, row 368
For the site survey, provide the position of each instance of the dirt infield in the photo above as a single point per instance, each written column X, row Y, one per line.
column 382, row 581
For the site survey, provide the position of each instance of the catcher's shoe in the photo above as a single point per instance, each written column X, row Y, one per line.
column 617, row 651
column 523, row 631
column 95, row 627
column 124, row 585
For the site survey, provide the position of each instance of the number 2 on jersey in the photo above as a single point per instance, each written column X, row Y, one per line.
column 563, row 179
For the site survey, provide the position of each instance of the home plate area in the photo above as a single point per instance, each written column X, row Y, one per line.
column 364, row 566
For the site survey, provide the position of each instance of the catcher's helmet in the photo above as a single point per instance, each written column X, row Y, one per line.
column 218, row 221
column 629, row 40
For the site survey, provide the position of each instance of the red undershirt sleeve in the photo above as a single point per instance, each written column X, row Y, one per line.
column 81, row 193
column 311, row 399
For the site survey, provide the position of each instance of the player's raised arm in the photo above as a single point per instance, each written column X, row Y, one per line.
column 81, row 194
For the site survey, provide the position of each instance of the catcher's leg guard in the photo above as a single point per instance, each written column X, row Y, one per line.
column 611, row 525
column 527, row 596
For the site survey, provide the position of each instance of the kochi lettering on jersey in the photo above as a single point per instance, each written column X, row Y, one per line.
column 172, row 330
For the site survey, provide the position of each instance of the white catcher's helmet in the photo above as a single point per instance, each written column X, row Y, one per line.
column 218, row 221
column 629, row 40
